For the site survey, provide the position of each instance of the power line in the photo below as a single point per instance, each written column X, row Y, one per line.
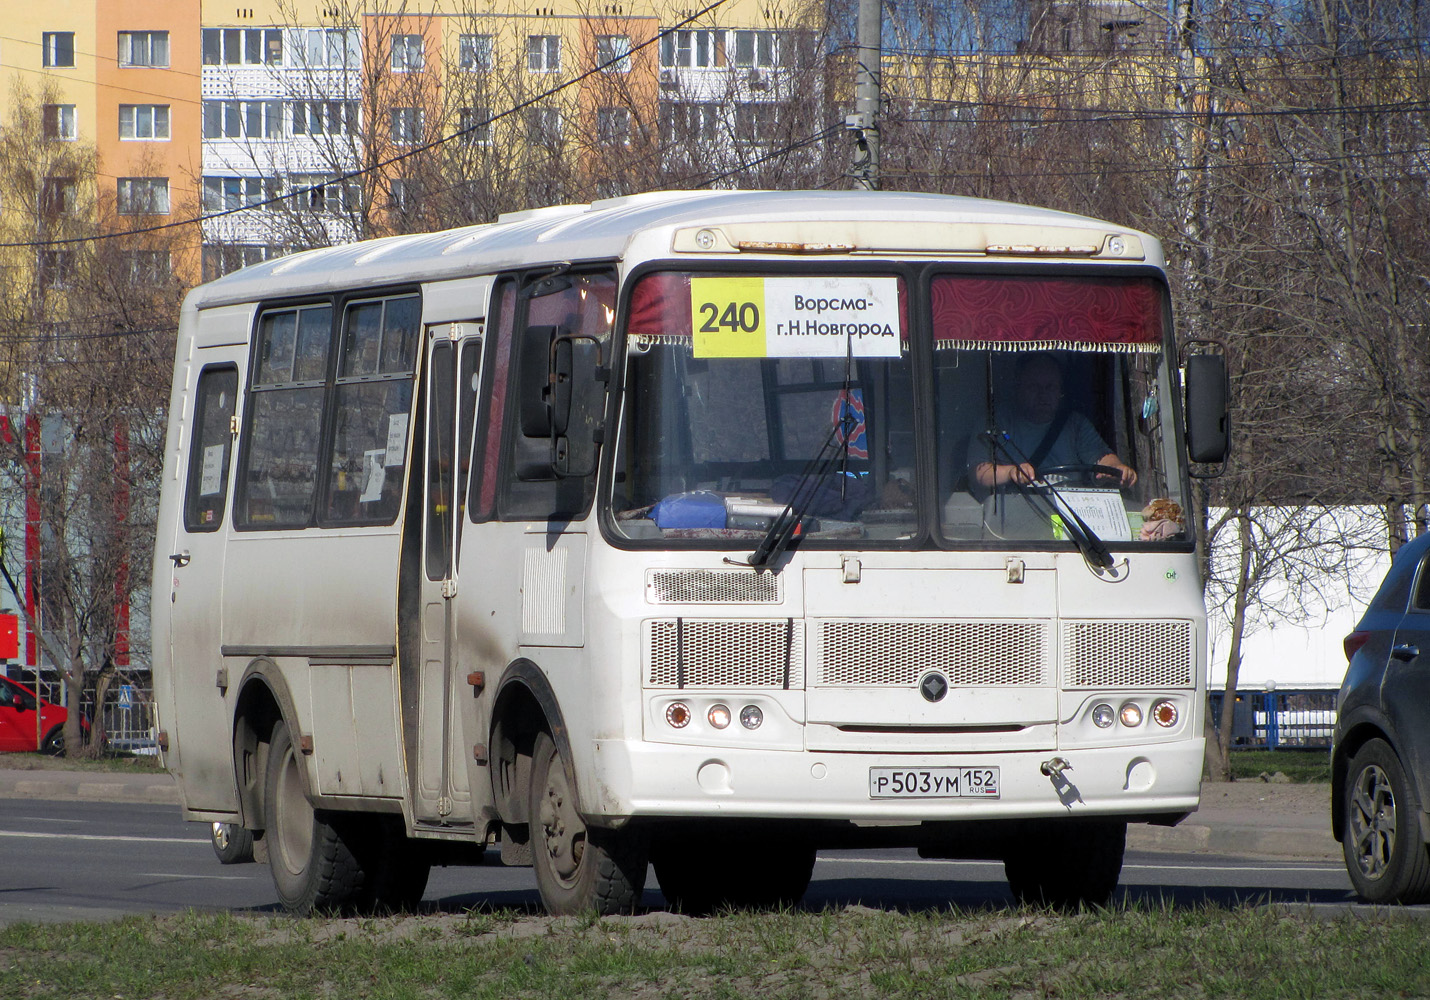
column 398, row 158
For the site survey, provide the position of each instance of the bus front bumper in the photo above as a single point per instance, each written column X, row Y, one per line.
column 636, row 779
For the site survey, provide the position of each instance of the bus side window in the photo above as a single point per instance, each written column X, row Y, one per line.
column 207, row 489
column 486, row 457
column 278, row 481
column 373, row 403
column 577, row 303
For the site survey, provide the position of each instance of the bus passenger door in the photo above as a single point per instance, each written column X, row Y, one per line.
column 202, row 730
column 442, row 791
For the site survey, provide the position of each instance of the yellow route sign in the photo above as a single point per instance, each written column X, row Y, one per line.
column 727, row 317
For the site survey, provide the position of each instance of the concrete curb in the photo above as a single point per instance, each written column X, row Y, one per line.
column 1278, row 842
column 89, row 786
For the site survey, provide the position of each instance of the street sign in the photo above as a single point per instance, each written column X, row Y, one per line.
column 126, row 696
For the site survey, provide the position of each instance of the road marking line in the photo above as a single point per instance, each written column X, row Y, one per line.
column 222, row 878
column 93, row 836
column 1165, row 868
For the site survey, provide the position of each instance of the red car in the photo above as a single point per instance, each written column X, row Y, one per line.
column 18, row 730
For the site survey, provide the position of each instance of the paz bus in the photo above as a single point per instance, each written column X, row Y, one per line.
column 647, row 533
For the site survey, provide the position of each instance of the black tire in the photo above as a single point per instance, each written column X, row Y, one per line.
column 1066, row 864
column 398, row 868
column 232, row 843
column 315, row 868
column 579, row 869
column 53, row 744
column 699, row 875
column 1384, row 846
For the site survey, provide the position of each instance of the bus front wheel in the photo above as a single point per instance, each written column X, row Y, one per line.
column 315, row 868
column 1066, row 864
column 579, row 869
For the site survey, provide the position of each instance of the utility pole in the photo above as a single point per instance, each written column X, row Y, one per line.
column 863, row 124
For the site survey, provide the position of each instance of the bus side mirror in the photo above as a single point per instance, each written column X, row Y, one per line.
column 575, row 445
column 545, row 381
column 1208, row 424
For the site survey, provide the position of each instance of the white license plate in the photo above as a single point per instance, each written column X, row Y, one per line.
column 933, row 782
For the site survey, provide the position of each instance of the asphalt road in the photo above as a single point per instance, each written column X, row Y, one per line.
column 94, row 861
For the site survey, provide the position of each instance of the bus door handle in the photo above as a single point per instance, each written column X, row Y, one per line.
column 180, row 558
column 1405, row 651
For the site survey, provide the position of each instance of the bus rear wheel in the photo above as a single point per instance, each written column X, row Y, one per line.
column 315, row 868
column 704, row 875
column 579, row 869
column 1066, row 864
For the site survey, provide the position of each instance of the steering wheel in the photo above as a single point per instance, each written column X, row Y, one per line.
column 1090, row 474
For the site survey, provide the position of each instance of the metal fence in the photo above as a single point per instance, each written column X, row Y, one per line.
column 1272, row 720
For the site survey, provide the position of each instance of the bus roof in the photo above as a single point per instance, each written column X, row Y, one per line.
column 606, row 230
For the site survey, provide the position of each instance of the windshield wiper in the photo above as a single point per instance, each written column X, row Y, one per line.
column 1094, row 550
column 783, row 528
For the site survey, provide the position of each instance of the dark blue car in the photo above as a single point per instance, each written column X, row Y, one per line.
column 1380, row 764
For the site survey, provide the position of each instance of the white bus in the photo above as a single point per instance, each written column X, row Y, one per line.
column 656, row 531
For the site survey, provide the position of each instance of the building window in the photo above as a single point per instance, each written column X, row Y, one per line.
column 243, row 119
column 406, row 125
column 325, row 117
column 756, row 123
column 475, row 52
column 691, row 48
column 689, row 121
column 58, row 48
column 407, row 53
column 613, row 53
column 143, row 196
column 223, row 258
column 755, row 48
column 543, row 126
column 474, row 126
column 147, row 267
column 543, row 53
column 57, row 196
column 143, row 121
column 59, row 122
column 613, row 126
column 320, row 193
column 240, row 46
column 403, row 196
column 56, row 268
column 144, row 48
column 224, row 194
column 334, row 47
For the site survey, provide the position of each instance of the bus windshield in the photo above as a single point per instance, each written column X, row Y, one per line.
column 1047, row 401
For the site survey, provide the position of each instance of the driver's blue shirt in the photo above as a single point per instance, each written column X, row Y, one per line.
column 1077, row 443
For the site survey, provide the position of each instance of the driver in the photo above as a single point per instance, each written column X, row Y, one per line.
column 1045, row 432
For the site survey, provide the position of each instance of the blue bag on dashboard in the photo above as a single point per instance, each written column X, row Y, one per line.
column 701, row 509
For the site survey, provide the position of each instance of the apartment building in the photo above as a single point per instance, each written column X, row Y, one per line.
column 294, row 123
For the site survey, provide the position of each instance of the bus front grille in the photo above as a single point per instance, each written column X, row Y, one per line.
column 711, row 586
column 1127, row 654
column 898, row 653
column 698, row 652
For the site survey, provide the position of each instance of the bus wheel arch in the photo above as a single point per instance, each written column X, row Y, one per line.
column 524, row 707
column 263, row 702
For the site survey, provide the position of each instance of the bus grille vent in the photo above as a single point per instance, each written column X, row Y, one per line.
column 724, row 653
column 1127, row 654
column 899, row 653
column 711, row 586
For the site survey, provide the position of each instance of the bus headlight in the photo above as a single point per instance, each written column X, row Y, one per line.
column 719, row 716
column 1165, row 714
column 1103, row 716
column 751, row 717
column 678, row 715
column 1131, row 715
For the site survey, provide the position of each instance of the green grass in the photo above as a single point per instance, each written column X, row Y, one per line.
column 1298, row 765
column 123, row 763
column 1125, row 952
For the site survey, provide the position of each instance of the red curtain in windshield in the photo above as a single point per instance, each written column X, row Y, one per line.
column 1040, row 312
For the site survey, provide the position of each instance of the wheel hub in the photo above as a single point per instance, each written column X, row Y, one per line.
column 1372, row 821
column 562, row 828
